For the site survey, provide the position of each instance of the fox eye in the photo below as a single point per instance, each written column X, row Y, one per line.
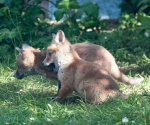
column 49, row 54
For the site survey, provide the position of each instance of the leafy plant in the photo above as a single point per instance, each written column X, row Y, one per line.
column 144, row 6
column 129, row 21
column 144, row 19
column 135, row 6
column 136, row 14
column 77, row 18
column 21, row 22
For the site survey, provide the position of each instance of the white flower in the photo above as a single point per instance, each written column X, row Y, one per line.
column 94, row 28
column 78, row 20
column 82, row 27
column 31, row 118
column 20, row 91
column 23, row 123
column 48, row 119
column 133, row 121
column 89, row 30
column 7, row 123
column 125, row 119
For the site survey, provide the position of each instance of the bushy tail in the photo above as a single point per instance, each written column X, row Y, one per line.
column 118, row 75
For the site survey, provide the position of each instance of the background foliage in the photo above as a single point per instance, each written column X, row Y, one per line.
column 26, row 22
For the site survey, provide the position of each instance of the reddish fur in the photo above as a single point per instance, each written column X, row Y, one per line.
column 88, row 52
column 98, row 54
column 32, row 59
column 89, row 80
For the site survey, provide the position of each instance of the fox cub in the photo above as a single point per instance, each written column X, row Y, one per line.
column 29, row 62
column 89, row 80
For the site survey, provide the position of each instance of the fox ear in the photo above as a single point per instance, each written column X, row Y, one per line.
column 24, row 46
column 60, row 37
column 20, row 50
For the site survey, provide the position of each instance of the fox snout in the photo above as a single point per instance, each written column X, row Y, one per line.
column 45, row 63
column 18, row 75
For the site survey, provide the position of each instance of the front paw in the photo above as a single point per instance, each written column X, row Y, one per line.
column 57, row 99
column 54, row 97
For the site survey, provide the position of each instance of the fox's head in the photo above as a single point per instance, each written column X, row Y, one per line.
column 54, row 48
column 25, row 61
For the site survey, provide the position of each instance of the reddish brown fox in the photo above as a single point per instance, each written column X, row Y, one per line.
column 89, row 52
column 29, row 62
column 89, row 80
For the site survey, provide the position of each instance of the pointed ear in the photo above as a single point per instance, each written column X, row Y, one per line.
column 24, row 46
column 60, row 37
column 20, row 50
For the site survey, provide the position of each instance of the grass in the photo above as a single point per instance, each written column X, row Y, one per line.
column 29, row 101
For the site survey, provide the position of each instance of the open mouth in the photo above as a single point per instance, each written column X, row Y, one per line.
column 50, row 67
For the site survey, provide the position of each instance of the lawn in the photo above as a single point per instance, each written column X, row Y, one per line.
column 29, row 101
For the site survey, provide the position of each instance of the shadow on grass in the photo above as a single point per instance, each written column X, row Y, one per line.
column 33, row 103
column 15, row 94
column 17, row 105
column 8, row 90
column 11, row 92
column 74, row 99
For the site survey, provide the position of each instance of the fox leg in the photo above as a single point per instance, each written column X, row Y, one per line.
column 59, row 86
column 63, row 93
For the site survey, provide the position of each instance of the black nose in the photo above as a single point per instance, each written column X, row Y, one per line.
column 17, row 75
column 42, row 63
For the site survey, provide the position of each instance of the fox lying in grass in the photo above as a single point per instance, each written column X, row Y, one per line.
column 89, row 80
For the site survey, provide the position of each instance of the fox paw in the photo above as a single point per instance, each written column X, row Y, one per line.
column 54, row 97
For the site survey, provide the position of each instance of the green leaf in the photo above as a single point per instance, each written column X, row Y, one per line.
column 7, row 34
column 59, row 14
column 73, row 5
column 79, row 13
column 143, row 8
column 68, row 4
column 144, row 19
column 63, row 4
column 142, row 2
column 127, row 16
column 89, row 8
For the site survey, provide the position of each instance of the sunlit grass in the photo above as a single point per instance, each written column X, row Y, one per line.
column 29, row 101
